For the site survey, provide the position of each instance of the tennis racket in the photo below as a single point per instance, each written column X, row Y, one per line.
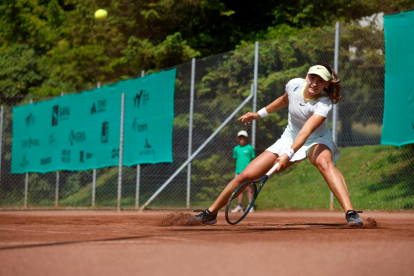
column 234, row 216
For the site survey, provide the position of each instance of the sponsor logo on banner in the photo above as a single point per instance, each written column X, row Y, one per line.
column 147, row 146
column 59, row 114
column 84, row 155
column 30, row 120
column 77, row 137
column 98, row 106
column 65, row 156
column 24, row 162
column 105, row 132
column 141, row 98
column 46, row 161
column 148, row 150
column 52, row 140
column 115, row 153
column 30, row 143
column 139, row 127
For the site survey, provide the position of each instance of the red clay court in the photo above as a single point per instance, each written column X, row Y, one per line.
column 265, row 243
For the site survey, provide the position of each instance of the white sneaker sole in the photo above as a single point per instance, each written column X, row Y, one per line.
column 355, row 224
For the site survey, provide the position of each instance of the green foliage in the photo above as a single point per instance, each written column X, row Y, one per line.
column 27, row 21
column 214, row 169
column 143, row 54
column 72, row 185
column 65, row 49
column 309, row 13
column 18, row 71
column 388, row 6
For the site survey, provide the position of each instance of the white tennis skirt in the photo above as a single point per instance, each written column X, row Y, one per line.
column 284, row 143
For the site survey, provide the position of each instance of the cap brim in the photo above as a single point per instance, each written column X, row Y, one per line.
column 319, row 74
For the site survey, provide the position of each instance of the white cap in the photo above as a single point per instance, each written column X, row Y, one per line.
column 242, row 133
column 321, row 71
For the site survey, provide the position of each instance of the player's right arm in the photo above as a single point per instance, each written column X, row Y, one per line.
column 276, row 105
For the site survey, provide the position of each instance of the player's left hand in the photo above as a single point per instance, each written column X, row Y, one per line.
column 249, row 117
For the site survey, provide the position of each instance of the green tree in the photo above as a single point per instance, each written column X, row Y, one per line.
column 18, row 72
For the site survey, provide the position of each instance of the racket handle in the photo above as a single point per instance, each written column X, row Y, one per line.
column 273, row 169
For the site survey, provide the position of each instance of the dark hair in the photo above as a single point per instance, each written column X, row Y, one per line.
column 334, row 87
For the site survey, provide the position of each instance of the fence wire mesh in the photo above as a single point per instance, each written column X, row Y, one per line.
column 221, row 84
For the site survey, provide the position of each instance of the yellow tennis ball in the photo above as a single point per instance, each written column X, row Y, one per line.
column 101, row 14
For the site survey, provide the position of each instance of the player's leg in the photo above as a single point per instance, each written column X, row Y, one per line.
column 321, row 157
column 239, row 207
column 240, row 199
column 256, row 169
column 250, row 191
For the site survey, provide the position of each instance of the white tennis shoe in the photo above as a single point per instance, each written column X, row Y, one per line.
column 237, row 209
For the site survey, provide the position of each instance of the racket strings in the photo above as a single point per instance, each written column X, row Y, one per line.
column 239, row 204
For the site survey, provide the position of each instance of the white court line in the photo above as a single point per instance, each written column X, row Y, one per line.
column 174, row 239
column 80, row 242
column 99, row 242
column 148, row 241
column 126, row 242
column 19, row 243
column 43, row 231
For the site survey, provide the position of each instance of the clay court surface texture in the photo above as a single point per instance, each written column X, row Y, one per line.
column 160, row 243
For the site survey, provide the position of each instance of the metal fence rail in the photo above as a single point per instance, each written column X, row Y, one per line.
column 207, row 92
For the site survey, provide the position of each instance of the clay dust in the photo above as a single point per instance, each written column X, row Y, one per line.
column 180, row 219
column 370, row 222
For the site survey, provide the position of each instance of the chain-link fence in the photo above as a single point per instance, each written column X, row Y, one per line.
column 221, row 84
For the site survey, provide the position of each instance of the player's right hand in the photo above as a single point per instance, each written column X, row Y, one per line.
column 249, row 117
column 283, row 161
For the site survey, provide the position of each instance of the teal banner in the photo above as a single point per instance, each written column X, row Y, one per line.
column 82, row 131
column 149, row 117
column 398, row 121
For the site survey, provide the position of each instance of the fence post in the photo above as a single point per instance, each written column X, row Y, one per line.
column 190, row 130
column 26, row 182
column 93, row 187
column 255, row 80
column 138, row 172
column 26, row 188
column 57, row 179
column 335, row 106
column 121, row 150
column 98, row 85
column 1, row 138
column 57, row 189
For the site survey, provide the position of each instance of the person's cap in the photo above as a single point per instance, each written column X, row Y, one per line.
column 321, row 71
column 242, row 133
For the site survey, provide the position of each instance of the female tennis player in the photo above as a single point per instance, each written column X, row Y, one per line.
column 307, row 136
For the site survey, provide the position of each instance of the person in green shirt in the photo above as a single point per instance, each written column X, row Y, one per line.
column 243, row 153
